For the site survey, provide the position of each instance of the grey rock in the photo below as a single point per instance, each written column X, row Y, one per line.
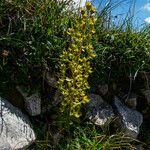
column 98, row 111
column 57, row 98
column 15, row 127
column 129, row 120
column 50, row 79
column 32, row 102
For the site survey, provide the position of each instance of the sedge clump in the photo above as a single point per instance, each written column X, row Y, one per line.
column 75, row 65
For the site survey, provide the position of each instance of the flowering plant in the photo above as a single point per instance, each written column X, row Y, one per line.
column 75, row 62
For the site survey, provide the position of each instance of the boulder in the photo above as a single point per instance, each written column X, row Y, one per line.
column 98, row 111
column 15, row 127
column 129, row 120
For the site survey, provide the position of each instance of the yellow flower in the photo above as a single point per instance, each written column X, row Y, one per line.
column 82, row 11
column 68, row 79
column 91, row 23
column 82, row 94
column 93, row 19
column 92, row 54
column 69, row 84
column 73, row 46
column 93, row 10
column 79, row 35
column 85, row 99
column 88, row 5
column 93, row 31
column 76, row 115
column 85, row 16
column 42, row 7
column 70, row 31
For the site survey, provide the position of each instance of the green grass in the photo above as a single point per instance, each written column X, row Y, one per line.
column 85, row 136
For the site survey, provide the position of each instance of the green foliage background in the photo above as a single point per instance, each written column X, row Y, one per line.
column 33, row 33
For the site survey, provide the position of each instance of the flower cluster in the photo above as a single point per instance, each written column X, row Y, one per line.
column 75, row 62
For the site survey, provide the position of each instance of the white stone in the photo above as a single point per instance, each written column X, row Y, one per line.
column 4, row 145
column 15, row 127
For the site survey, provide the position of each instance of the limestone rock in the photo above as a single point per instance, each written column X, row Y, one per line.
column 57, row 98
column 32, row 102
column 4, row 145
column 98, row 111
column 129, row 120
column 15, row 127
column 50, row 79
